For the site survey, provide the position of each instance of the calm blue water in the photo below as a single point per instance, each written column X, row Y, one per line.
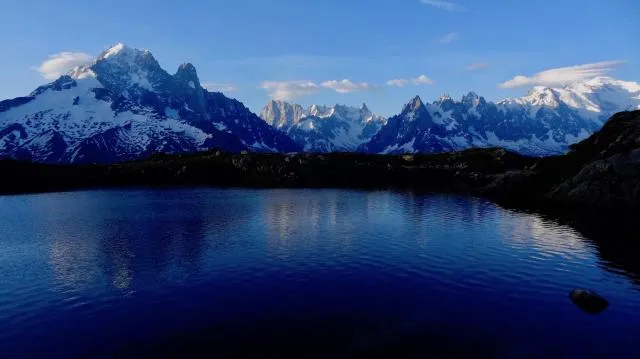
column 330, row 273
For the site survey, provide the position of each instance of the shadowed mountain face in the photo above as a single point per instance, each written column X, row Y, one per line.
column 610, row 170
column 124, row 106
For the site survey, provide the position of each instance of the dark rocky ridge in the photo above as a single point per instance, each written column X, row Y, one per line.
column 602, row 171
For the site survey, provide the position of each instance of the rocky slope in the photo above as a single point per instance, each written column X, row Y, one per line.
column 601, row 171
column 336, row 128
column 610, row 174
column 545, row 122
column 124, row 106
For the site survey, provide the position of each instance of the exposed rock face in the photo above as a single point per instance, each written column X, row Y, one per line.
column 281, row 114
column 336, row 128
column 611, row 166
column 620, row 134
column 612, row 181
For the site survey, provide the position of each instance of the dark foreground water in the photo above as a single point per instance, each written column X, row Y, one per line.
column 300, row 273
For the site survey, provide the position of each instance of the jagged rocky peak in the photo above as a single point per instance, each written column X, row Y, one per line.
column 365, row 112
column 280, row 113
column 444, row 98
column 414, row 106
column 188, row 76
column 127, row 57
column 343, row 110
column 113, row 50
column 320, row 111
column 187, row 69
column 471, row 99
column 121, row 50
column 544, row 92
column 538, row 96
column 123, row 68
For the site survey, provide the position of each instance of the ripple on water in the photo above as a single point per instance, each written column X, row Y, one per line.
column 111, row 268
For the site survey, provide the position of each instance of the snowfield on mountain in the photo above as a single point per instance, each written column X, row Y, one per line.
column 123, row 106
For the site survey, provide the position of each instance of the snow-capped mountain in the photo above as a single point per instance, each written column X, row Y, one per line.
column 544, row 122
column 125, row 106
column 336, row 128
column 596, row 98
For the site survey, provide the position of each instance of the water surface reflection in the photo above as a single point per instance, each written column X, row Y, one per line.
column 288, row 270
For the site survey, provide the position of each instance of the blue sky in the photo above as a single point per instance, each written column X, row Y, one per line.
column 305, row 50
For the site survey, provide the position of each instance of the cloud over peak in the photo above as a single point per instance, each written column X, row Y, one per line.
column 345, row 86
column 420, row 80
column 398, row 82
column 563, row 75
column 289, row 90
column 61, row 63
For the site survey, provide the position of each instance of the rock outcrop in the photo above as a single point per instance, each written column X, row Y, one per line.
column 589, row 301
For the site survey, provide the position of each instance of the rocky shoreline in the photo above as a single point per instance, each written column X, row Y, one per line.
column 602, row 171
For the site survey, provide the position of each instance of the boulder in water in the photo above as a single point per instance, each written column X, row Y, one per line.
column 589, row 301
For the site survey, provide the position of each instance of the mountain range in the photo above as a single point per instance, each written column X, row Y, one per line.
column 124, row 106
column 545, row 122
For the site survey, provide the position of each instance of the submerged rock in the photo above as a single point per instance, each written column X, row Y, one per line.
column 589, row 301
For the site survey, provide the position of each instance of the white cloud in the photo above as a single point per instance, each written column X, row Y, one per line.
column 210, row 86
column 449, row 38
column 444, row 5
column 289, row 90
column 477, row 66
column 563, row 75
column 345, row 86
column 60, row 64
column 422, row 80
column 397, row 82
